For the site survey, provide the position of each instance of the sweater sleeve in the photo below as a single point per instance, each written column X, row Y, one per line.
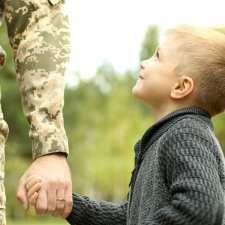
column 193, row 181
column 89, row 212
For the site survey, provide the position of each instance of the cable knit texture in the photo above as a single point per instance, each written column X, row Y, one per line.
column 179, row 178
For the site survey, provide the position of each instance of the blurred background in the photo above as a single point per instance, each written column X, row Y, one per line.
column 102, row 119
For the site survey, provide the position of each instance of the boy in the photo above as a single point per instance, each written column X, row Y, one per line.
column 179, row 175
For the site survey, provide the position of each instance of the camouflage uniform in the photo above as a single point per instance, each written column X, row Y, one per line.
column 39, row 36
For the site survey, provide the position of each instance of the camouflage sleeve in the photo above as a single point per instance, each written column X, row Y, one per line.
column 39, row 34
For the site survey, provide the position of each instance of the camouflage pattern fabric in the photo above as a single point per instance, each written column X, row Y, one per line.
column 39, row 35
column 3, row 136
column 2, row 170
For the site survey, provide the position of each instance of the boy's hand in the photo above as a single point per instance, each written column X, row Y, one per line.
column 55, row 195
column 33, row 186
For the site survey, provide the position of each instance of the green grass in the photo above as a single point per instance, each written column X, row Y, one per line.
column 38, row 221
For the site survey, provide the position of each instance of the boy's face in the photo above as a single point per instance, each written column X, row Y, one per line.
column 157, row 75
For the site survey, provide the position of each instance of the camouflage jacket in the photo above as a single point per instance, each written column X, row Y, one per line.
column 39, row 35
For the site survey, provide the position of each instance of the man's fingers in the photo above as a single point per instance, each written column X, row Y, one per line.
column 60, row 191
column 41, row 205
column 68, row 200
column 51, row 196
column 60, row 199
column 21, row 194
column 60, row 206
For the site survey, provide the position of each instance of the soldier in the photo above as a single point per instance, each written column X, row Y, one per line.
column 38, row 33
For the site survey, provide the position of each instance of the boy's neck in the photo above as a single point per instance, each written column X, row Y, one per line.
column 164, row 110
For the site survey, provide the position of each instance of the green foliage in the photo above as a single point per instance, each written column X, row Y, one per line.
column 219, row 122
column 150, row 42
column 220, row 29
column 38, row 221
column 107, row 123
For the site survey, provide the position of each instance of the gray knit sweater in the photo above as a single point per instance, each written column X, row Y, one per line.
column 179, row 178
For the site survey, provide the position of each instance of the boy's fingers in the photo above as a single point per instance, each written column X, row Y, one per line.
column 32, row 180
column 33, row 199
column 33, row 189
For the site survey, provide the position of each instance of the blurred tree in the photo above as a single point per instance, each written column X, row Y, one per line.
column 220, row 29
column 107, row 122
column 219, row 120
column 150, row 42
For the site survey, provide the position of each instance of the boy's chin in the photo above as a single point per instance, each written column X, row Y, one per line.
column 140, row 96
column 137, row 93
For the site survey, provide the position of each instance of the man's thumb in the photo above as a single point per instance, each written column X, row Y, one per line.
column 22, row 195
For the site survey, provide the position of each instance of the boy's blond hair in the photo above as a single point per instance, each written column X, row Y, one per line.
column 202, row 52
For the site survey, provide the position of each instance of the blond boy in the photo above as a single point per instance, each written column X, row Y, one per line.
column 179, row 175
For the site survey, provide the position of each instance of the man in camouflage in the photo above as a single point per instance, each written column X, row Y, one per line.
column 38, row 33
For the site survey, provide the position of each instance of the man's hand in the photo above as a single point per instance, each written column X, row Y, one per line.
column 55, row 195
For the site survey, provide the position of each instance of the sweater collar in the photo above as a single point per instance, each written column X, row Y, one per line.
column 158, row 128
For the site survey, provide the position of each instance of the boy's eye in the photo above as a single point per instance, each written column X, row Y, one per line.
column 157, row 53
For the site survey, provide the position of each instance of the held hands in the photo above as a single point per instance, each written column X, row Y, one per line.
column 53, row 194
column 33, row 187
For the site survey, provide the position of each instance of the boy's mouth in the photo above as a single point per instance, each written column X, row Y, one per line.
column 141, row 77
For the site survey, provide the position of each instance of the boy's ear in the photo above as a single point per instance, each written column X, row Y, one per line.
column 182, row 88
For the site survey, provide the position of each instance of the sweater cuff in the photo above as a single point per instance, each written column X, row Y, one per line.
column 77, row 215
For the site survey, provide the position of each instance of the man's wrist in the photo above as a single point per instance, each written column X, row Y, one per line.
column 58, row 155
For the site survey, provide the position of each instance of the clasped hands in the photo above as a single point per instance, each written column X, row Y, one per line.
column 47, row 186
